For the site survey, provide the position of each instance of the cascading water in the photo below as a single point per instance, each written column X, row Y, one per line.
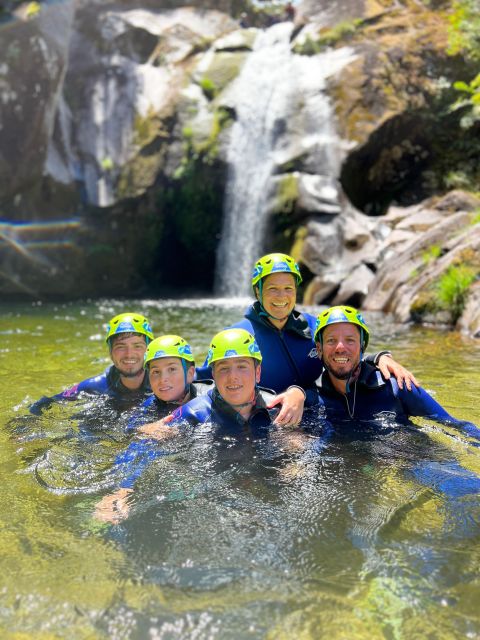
column 279, row 102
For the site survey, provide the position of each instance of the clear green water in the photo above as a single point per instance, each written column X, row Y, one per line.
column 228, row 541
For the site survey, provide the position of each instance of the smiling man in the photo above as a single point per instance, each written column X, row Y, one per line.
column 236, row 399
column 352, row 389
column 128, row 335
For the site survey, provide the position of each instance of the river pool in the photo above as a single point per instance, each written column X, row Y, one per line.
column 371, row 534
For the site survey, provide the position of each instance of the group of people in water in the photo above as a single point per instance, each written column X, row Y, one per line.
column 259, row 374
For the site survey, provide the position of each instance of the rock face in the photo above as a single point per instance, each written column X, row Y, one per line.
column 92, row 139
column 116, row 130
column 427, row 276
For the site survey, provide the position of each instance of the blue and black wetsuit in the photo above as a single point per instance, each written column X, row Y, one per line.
column 108, row 384
column 153, row 409
column 206, row 408
column 211, row 407
column 371, row 396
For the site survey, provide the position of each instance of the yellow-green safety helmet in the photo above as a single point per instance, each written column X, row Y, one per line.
column 233, row 343
column 129, row 323
column 275, row 263
column 170, row 346
column 333, row 315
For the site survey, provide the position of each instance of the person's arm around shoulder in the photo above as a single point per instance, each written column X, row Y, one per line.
column 163, row 429
column 388, row 367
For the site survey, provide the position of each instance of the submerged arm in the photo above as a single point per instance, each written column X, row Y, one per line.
column 420, row 403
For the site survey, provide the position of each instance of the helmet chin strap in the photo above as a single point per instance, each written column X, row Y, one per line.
column 185, row 371
column 249, row 403
column 347, row 388
column 263, row 311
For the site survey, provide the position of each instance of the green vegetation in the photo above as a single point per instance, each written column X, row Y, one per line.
column 329, row 37
column 458, row 179
column 287, row 193
column 464, row 40
column 107, row 163
column 205, row 149
column 341, row 31
column 453, row 288
column 33, row 9
column 469, row 102
column 209, row 88
column 431, row 254
column 464, row 33
column 450, row 291
column 193, row 204
column 146, row 128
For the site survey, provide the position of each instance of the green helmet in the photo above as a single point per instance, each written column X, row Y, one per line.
column 275, row 263
column 129, row 323
column 170, row 346
column 342, row 314
column 233, row 343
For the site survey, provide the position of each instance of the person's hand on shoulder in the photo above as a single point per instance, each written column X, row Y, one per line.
column 388, row 366
column 291, row 411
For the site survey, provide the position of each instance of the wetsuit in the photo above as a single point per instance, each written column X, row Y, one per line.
column 289, row 354
column 153, row 409
column 371, row 396
column 213, row 408
column 206, row 408
column 107, row 384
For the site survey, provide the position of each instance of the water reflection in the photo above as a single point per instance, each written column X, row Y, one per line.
column 358, row 531
column 234, row 529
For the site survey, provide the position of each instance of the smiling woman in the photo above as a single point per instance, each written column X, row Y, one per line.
column 279, row 294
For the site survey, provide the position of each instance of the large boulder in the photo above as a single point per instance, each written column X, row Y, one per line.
column 432, row 277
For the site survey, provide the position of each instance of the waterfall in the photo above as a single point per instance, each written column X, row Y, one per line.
column 277, row 97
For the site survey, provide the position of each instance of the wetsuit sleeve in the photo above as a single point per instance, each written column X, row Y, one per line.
column 135, row 459
column 195, row 412
column 418, row 402
column 143, row 415
column 97, row 385
column 71, row 393
column 311, row 396
column 204, row 372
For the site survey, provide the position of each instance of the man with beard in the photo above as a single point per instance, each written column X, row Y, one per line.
column 128, row 335
column 352, row 389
